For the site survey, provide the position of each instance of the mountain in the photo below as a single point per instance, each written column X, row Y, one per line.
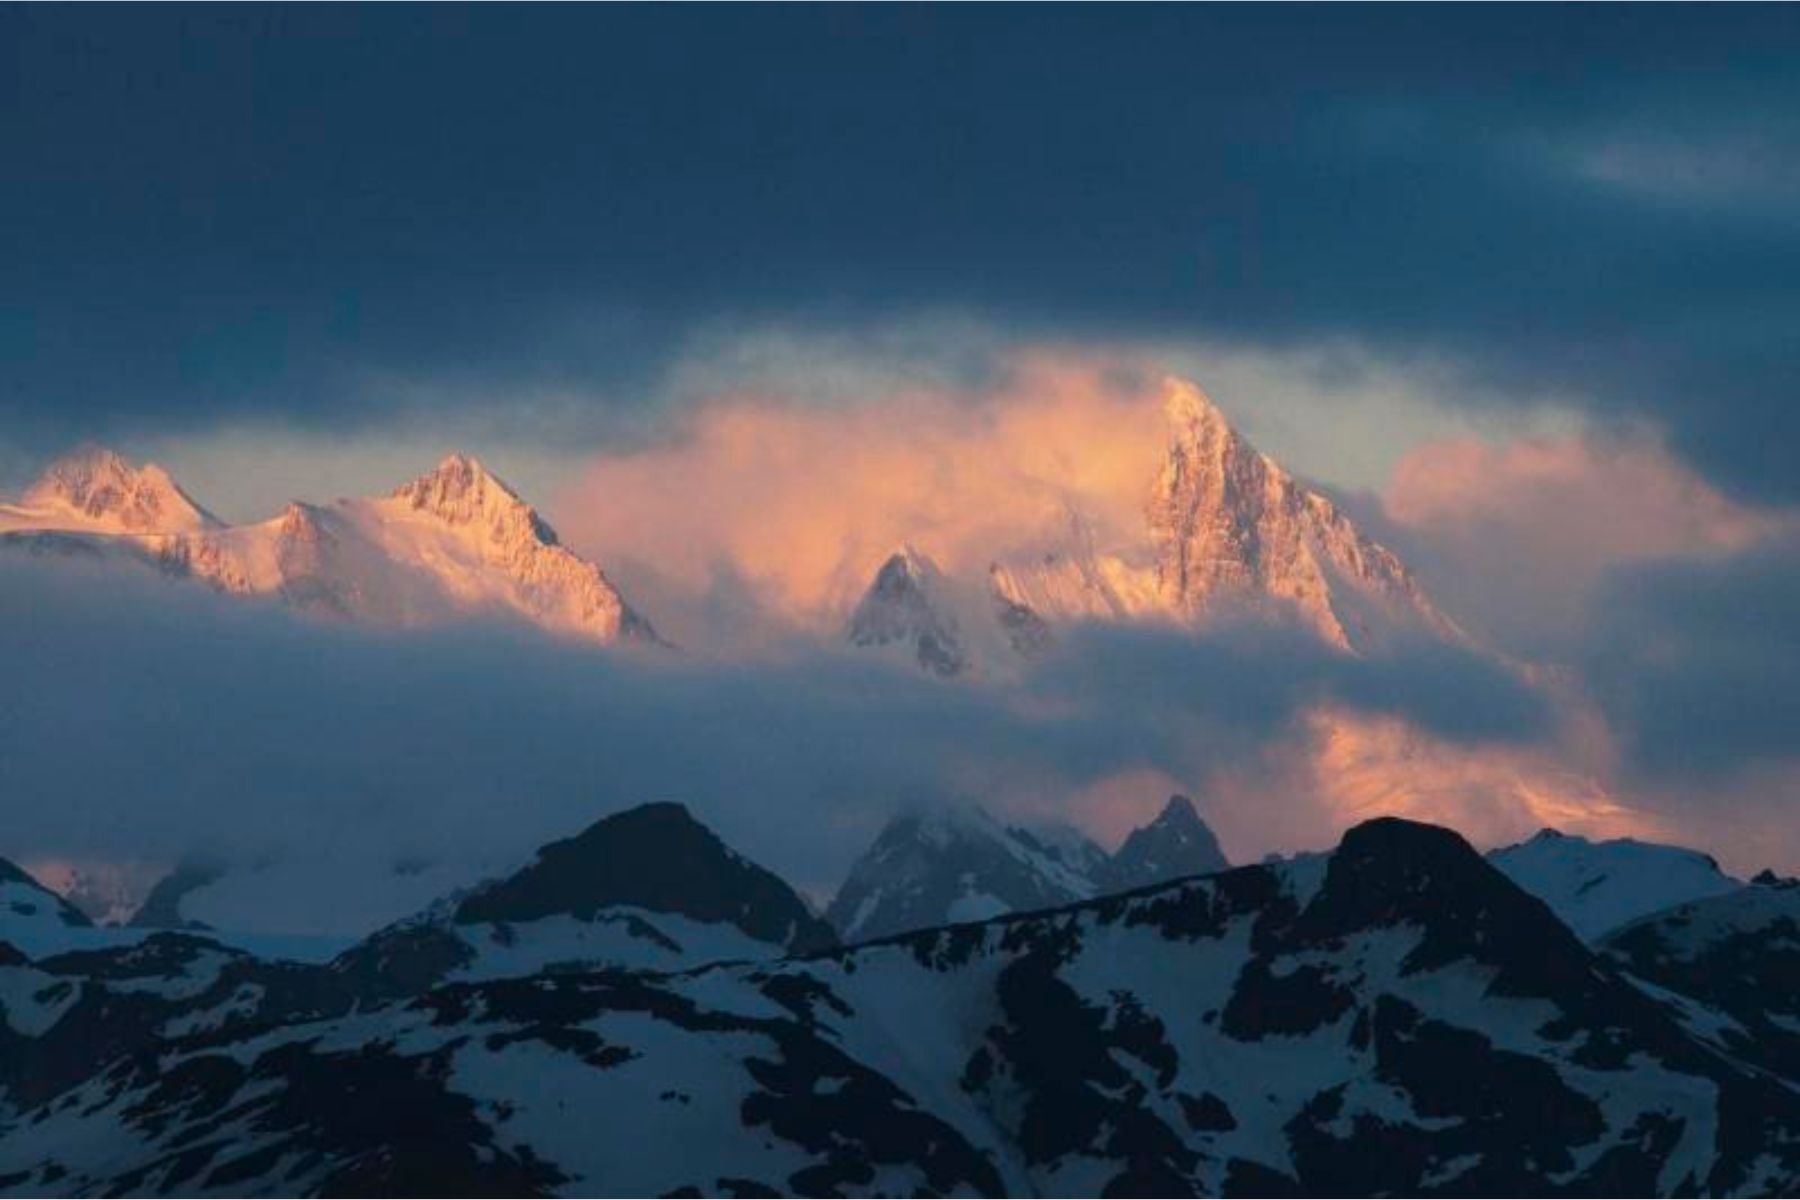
column 68, row 1014
column 649, row 888
column 1396, row 1017
column 455, row 542
column 1598, row 886
column 905, row 607
column 30, row 913
column 1230, row 526
column 96, row 491
column 1176, row 844
column 952, row 864
column 1226, row 531
column 1737, row 955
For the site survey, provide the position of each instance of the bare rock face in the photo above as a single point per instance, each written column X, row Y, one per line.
column 1231, row 527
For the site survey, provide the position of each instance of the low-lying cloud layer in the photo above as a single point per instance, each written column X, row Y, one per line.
column 147, row 718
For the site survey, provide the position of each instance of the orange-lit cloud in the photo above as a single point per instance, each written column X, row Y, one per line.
column 786, row 508
column 1515, row 538
column 802, row 504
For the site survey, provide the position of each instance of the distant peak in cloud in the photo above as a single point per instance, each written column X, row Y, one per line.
column 1074, row 488
column 95, row 487
column 456, row 542
column 1191, row 412
column 462, row 492
column 905, row 606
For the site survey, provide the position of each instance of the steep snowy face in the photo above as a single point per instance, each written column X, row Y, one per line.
column 1736, row 954
column 32, row 915
column 905, row 607
column 1231, row 528
column 484, row 547
column 455, row 542
column 1176, row 844
column 648, row 888
column 1597, row 886
column 950, row 865
column 96, row 490
column 1393, row 1018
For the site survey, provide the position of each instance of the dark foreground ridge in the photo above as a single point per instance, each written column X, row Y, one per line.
column 1395, row 1017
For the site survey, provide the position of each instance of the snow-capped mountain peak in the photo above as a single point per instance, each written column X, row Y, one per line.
column 1596, row 887
column 944, row 864
column 906, row 606
column 951, row 863
column 96, row 489
column 1232, row 528
column 650, row 887
column 461, row 491
column 1196, row 423
column 453, row 543
column 1226, row 532
column 1176, row 844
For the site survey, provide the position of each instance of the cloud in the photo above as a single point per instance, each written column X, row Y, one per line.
column 146, row 719
column 800, row 504
column 1517, row 538
column 602, row 187
column 784, row 498
column 1695, row 662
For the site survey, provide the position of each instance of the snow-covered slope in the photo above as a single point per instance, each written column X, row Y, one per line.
column 648, row 888
column 1736, row 954
column 31, row 915
column 951, row 864
column 453, row 543
column 1598, row 886
column 1394, row 1018
column 65, row 1014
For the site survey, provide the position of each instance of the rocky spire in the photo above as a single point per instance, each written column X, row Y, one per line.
column 1177, row 843
column 904, row 606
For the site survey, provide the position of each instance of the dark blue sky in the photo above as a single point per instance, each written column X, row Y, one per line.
column 206, row 215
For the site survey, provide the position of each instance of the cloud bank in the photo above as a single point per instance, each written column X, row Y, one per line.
column 150, row 719
column 793, row 507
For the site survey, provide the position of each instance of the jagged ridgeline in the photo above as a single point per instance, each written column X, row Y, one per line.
column 453, row 542
column 1244, row 1032
column 1226, row 530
